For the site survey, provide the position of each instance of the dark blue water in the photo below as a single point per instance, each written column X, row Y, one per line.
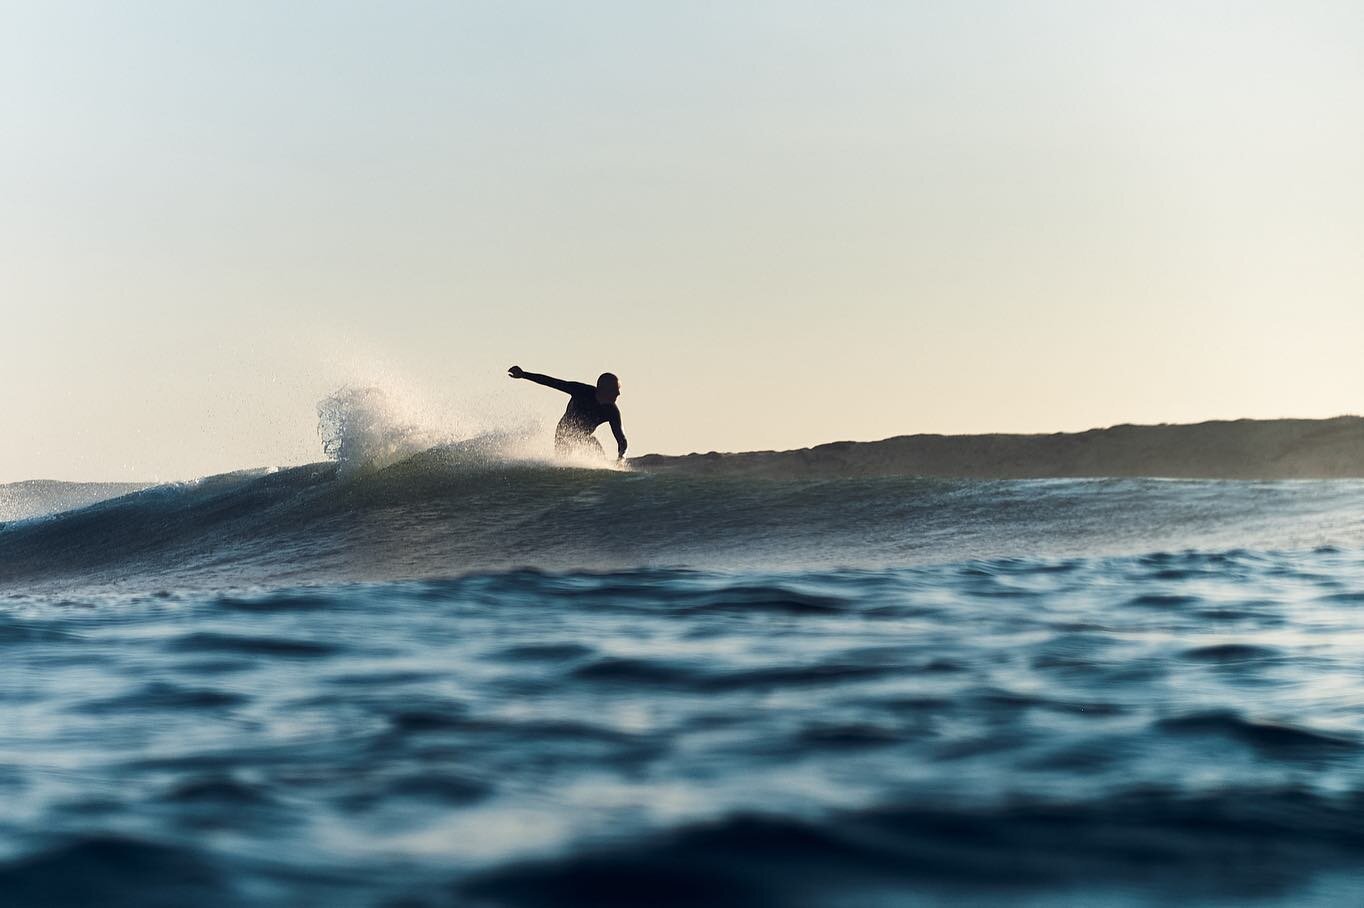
column 520, row 686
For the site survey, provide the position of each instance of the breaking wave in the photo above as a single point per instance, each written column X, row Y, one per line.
column 474, row 505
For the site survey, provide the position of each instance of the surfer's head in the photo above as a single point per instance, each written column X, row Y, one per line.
column 608, row 388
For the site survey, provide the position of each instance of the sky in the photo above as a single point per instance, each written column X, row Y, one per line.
column 780, row 222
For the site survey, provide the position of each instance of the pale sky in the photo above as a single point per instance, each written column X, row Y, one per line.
column 781, row 223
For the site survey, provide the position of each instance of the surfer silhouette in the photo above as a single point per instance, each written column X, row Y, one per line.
column 588, row 407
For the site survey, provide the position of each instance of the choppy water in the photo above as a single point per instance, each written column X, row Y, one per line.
column 506, row 685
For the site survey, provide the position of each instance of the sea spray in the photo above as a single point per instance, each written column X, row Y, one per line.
column 366, row 429
column 362, row 431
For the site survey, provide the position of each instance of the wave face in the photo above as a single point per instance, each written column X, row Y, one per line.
column 461, row 507
column 473, row 681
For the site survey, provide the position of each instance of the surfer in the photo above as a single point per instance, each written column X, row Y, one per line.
column 588, row 407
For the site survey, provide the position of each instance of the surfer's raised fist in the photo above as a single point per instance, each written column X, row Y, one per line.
column 515, row 372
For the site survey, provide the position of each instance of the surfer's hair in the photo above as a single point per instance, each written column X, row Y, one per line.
column 608, row 379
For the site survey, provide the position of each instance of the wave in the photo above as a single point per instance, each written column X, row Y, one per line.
column 1277, row 847
column 469, row 506
column 401, row 500
column 1150, row 847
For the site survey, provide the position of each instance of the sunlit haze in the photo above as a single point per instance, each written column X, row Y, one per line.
column 781, row 223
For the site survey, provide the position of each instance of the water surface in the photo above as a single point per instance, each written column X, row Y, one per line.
column 509, row 685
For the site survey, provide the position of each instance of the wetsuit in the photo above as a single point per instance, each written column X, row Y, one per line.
column 583, row 415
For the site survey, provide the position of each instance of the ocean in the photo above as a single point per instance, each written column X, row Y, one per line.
column 472, row 680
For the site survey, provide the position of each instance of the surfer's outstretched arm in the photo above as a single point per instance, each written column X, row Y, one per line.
column 557, row 384
column 620, row 436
